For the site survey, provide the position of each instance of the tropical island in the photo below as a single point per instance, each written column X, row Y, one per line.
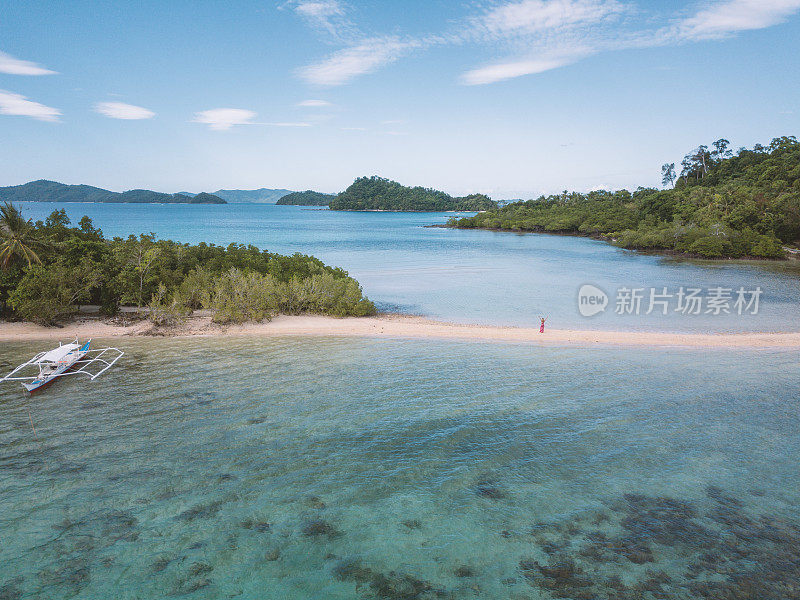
column 722, row 205
column 378, row 193
column 53, row 191
column 49, row 268
column 306, row 198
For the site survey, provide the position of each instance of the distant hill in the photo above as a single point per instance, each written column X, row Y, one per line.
column 53, row 191
column 307, row 198
column 205, row 198
column 377, row 193
column 261, row 196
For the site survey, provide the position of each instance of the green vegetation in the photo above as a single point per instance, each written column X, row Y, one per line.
column 307, row 198
column 52, row 191
column 202, row 198
column 722, row 206
column 50, row 267
column 377, row 193
column 17, row 238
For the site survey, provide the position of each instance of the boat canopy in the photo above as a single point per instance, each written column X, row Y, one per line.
column 57, row 354
column 52, row 364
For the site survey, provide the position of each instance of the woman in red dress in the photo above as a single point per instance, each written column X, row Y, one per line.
column 541, row 328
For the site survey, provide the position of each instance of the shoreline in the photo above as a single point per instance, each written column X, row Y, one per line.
column 791, row 255
column 392, row 326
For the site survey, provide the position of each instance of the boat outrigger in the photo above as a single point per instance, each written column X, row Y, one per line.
column 66, row 359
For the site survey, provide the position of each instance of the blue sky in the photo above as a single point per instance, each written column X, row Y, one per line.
column 508, row 97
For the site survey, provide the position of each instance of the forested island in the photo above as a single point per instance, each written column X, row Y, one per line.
column 50, row 267
column 53, row 191
column 378, row 193
column 722, row 205
column 307, row 198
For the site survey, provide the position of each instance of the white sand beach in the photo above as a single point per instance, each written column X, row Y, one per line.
column 396, row 326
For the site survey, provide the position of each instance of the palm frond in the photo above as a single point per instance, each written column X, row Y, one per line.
column 16, row 237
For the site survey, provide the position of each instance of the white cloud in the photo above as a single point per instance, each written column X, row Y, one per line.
column 361, row 53
column 366, row 57
column 543, row 35
column 542, row 25
column 221, row 119
column 319, row 10
column 328, row 16
column 561, row 32
column 725, row 18
column 314, row 103
column 120, row 110
column 535, row 35
column 533, row 16
column 16, row 104
column 15, row 66
column 509, row 70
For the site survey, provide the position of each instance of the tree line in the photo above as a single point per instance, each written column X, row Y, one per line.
column 307, row 198
column 379, row 193
column 721, row 205
column 50, row 267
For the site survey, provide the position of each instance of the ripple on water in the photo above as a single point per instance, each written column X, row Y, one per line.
column 403, row 470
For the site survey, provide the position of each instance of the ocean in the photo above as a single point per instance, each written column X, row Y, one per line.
column 348, row 468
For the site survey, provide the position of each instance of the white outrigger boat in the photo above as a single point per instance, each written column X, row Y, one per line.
column 67, row 359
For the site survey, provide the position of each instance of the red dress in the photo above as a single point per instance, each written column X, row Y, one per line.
column 541, row 329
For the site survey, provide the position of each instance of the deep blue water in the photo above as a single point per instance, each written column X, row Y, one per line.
column 382, row 469
column 468, row 276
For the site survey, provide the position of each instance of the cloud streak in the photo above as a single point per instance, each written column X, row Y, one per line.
column 541, row 35
column 15, row 66
column 509, row 70
column 536, row 25
column 732, row 16
column 222, row 119
column 327, row 16
column 19, row 105
column 561, row 32
column 534, row 36
column 526, row 17
column 120, row 110
column 314, row 104
column 366, row 57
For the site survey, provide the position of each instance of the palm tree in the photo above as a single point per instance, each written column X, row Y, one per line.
column 16, row 237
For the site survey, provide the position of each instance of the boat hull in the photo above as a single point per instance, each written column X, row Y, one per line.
column 39, row 384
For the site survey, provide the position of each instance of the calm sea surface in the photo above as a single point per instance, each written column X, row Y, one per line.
column 468, row 276
column 334, row 468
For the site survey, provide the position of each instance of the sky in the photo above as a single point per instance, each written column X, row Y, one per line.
column 513, row 98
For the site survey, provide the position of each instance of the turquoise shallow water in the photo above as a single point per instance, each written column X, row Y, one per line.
column 466, row 276
column 345, row 468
